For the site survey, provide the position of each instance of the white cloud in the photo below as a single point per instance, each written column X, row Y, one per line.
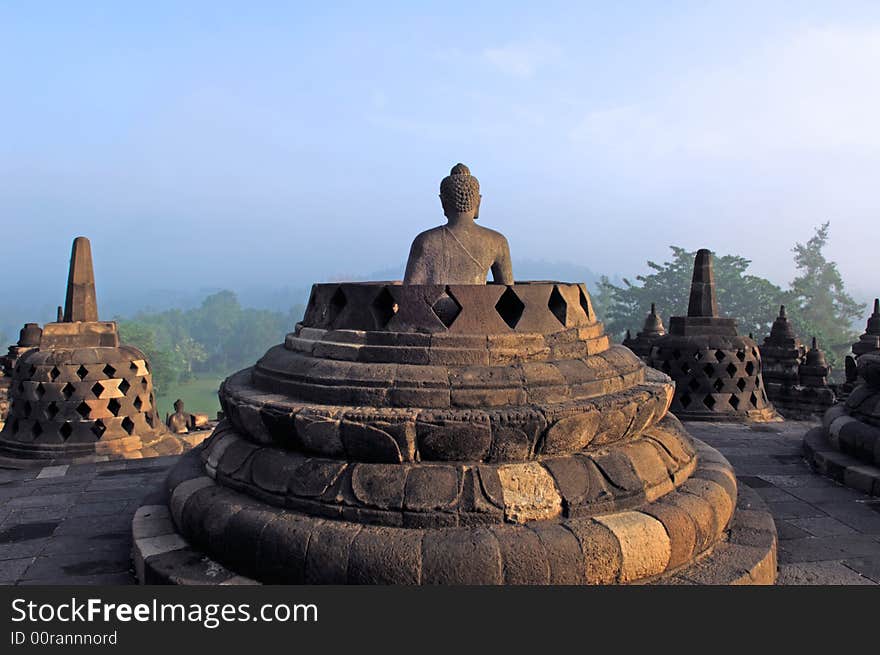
column 818, row 89
column 522, row 59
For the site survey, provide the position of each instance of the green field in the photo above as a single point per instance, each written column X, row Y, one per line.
column 199, row 396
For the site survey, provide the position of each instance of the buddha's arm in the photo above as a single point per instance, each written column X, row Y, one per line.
column 416, row 271
column 502, row 269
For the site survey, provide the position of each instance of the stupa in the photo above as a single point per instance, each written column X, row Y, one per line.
column 76, row 393
column 717, row 373
column 869, row 342
column 652, row 330
column 450, row 431
column 781, row 354
column 796, row 380
column 846, row 446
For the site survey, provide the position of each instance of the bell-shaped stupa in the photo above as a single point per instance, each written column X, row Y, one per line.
column 76, row 393
column 717, row 373
column 652, row 330
column 442, row 432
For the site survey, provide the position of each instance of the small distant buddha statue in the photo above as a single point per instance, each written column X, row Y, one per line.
column 180, row 420
column 460, row 252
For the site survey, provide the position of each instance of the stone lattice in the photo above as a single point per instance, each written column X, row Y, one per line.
column 717, row 373
column 75, row 393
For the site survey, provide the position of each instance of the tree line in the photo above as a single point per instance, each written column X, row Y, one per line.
column 816, row 301
column 216, row 338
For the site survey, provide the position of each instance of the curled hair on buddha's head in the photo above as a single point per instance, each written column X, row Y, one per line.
column 460, row 191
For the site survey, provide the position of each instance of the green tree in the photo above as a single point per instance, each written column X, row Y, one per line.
column 818, row 304
column 748, row 298
column 143, row 336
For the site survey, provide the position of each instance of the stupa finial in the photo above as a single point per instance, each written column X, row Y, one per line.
column 782, row 312
column 81, row 303
column 702, row 300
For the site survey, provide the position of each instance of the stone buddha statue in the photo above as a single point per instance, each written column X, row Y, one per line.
column 460, row 252
column 179, row 421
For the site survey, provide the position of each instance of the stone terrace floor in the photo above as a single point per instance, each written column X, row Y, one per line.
column 71, row 524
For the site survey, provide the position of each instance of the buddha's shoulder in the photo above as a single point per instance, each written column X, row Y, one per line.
column 492, row 235
column 428, row 236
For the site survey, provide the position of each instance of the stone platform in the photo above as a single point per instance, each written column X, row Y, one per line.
column 72, row 524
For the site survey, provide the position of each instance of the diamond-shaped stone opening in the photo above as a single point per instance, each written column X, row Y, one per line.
column 337, row 303
column 98, row 429
column 54, row 373
column 750, row 368
column 128, row 425
column 31, row 371
column 149, row 419
column 709, row 370
column 152, row 400
column 28, row 408
column 83, row 409
column 82, row 372
column 693, row 384
column 557, row 305
column 40, row 390
column 67, row 391
column 144, row 383
column 510, row 308
column 698, row 355
column 720, row 355
column 133, row 366
column 36, row 429
column 113, row 406
column 384, row 307
column 52, row 410
column 124, row 386
column 109, row 371
column 685, row 368
column 147, row 366
column 97, row 389
column 15, row 426
column 21, row 387
column 755, row 353
column 65, row 430
column 734, row 401
column 446, row 308
column 685, row 400
column 138, row 403
column 709, row 401
column 741, row 384
column 753, row 399
column 731, row 369
column 719, row 385
column 585, row 305
column 741, row 355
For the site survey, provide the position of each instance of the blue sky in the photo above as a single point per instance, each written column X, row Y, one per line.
column 240, row 144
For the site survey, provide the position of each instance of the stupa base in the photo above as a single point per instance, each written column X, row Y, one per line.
column 659, row 544
column 23, row 456
column 828, row 460
column 766, row 415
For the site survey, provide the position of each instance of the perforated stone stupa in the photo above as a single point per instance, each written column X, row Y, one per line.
column 652, row 330
column 76, row 393
column 717, row 373
column 440, row 433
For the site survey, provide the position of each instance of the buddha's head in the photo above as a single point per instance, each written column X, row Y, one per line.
column 178, row 406
column 460, row 193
